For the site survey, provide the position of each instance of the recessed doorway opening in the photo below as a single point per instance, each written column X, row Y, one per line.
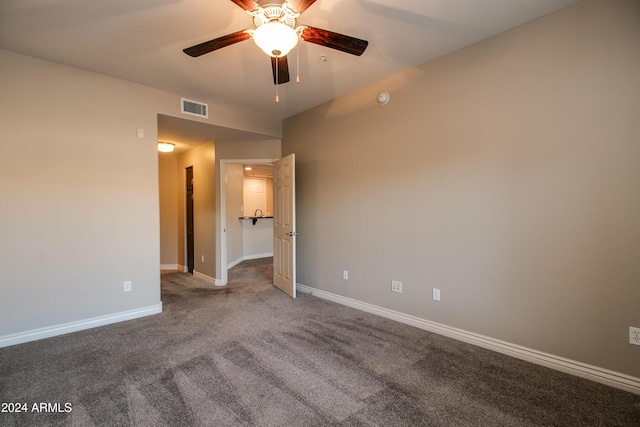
column 246, row 211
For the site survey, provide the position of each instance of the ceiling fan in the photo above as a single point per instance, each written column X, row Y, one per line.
column 276, row 34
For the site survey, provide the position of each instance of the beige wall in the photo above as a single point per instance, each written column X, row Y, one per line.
column 80, row 198
column 202, row 158
column 168, row 186
column 234, row 183
column 506, row 174
column 80, row 205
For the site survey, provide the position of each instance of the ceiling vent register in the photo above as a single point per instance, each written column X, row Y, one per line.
column 194, row 108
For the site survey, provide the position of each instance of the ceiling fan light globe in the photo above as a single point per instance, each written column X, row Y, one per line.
column 275, row 38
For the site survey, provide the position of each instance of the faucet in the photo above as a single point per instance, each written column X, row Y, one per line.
column 256, row 212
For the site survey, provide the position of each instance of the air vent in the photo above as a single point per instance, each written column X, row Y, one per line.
column 194, row 108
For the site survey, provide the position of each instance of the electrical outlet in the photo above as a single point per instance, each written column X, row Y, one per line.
column 436, row 294
column 396, row 286
column 345, row 274
column 202, row 258
column 634, row 336
column 127, row 286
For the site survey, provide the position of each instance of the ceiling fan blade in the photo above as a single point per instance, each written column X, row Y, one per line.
column 300, row 5
column 248, row 5
column 215, row 44
column 281, row 73
column 333, row 40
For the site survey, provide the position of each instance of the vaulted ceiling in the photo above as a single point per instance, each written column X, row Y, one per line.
column 142, row 41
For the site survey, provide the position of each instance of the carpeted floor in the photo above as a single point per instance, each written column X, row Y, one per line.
column 247, row 354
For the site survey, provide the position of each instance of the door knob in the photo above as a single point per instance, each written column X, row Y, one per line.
column 292, row 233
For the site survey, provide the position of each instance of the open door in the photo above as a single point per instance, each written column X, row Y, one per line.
column 284, row 225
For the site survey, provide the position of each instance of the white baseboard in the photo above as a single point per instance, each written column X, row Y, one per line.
column 170, row 267
column 248, row 257
column 204, row 277
column 257, row 256
column 66, row 328
column 234, row 263
column 594, row 373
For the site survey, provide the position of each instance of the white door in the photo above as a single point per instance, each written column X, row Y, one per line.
column 284, row 225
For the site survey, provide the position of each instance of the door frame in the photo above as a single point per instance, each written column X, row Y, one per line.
column 222, row 272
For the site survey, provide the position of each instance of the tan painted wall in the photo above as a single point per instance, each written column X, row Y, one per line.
column 234, row 184
column 80, row 205
column 80, row 198
column 506, row 174
column 167, row 167
column 202, row 158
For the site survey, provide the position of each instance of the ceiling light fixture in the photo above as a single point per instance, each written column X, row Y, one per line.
column 166, row 147
column 275, row 38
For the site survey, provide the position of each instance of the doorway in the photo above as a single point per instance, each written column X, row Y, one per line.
column 283, row 226
column 230, row 214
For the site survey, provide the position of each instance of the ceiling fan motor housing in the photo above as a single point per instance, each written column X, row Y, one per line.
column 274, row 13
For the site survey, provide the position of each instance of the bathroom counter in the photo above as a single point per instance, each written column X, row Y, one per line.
column 255, row 218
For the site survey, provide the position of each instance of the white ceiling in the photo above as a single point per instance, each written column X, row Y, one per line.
column 142, row 41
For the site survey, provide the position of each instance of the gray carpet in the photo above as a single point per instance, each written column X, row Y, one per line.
column 246, row 354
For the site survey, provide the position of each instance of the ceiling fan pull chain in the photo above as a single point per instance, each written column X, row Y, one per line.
column 277, row 80
column 298, row 63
